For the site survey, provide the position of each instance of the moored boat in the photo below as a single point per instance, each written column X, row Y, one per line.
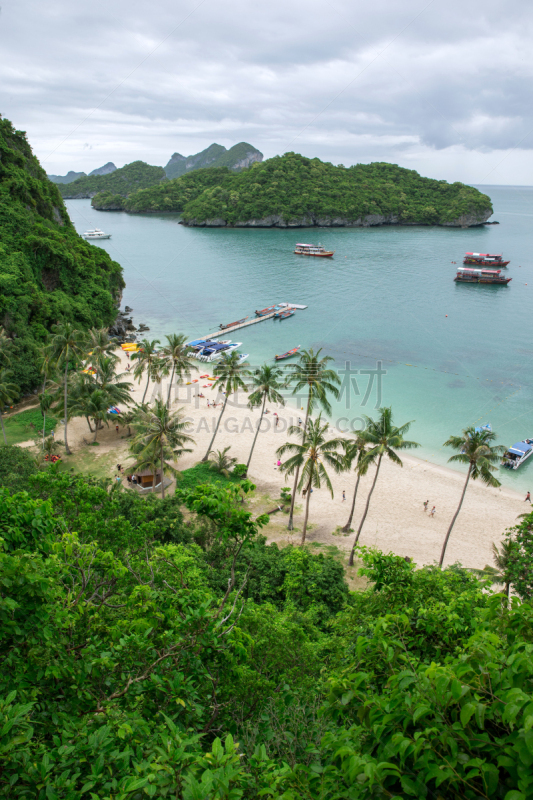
column 284, row 314
column 472, row 275
column 288, row 354
column 313, row 250
column 214, row 350
column 96, row 233
column 232, row 324
column 517, row 454
column 267, row 310
column 485, row 260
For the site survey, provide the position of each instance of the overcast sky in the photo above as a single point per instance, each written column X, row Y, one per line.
column 441, row 87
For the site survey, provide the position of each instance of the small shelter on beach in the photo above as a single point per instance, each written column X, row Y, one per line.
column 145, row 478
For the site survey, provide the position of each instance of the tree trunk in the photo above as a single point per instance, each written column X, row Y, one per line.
column 89, row 424
column 95, row 430
column 290, row 524
column 162, row 475
column 147, row 382
column 67, row 449
column 171, row 379
column 3, row 429
column 445, row 545
column 44, row 426
column 257, row 432
column 348, row 525
column 350, row 562
column 307, row 499
column 216, row 431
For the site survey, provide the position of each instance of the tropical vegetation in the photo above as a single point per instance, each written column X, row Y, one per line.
column 48, row 273
column 130, row 178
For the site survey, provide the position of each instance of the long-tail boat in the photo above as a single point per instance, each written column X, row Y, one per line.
column 284, row 314
column 288, row 354
column 313, row 250
column 232, row 324
column 267, row 310
column 485, row 260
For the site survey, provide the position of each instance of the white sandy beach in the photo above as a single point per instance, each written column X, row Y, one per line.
column 396, row 521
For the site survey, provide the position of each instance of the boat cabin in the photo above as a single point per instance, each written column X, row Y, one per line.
column 518, row 453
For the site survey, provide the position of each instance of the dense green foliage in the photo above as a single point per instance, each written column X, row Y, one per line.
column 123, row 181
column 169, row 196
column 25, row 425
column 139, row 644
column 16, row 466
column 296, row 188
column 47, row 272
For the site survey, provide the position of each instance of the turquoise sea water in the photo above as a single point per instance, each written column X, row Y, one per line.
column 383, row 297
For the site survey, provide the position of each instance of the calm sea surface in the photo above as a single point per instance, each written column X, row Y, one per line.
column 453, row 355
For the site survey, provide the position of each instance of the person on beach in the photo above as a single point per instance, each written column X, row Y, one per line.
column 277, row 421
column 119, row 467
column 116, row 428
column 299, row 422
column 527, row 497
column 343, row 495
column 432, row 512
column 426, row 505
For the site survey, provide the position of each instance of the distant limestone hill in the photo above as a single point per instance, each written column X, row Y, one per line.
column 294, row 191
column 237, row 157
column 68, row 178
column 123, row 181
column 105, row 170
column 48, row 273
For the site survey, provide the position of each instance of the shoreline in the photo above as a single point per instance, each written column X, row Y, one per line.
column 396, row 521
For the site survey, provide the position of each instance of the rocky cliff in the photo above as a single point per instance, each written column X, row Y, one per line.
column 370, row 220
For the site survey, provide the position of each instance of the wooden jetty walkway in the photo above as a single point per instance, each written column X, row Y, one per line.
column 253, row 321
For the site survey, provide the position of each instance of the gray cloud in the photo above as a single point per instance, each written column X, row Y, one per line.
column 441, row 87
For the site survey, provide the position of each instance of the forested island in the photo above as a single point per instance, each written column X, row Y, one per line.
column 294, row 191
column 48, row 273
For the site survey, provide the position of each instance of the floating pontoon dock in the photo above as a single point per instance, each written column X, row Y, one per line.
column 225, row 331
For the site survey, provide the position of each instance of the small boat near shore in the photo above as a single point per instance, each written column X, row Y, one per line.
column 313, row 250
column 284, row 314
column 267, row 310
column 471, row 275
column 214, row 350
column 485, row 260
column 515, row 456
column 96, row 233
column 232, row 324
column 288, row 354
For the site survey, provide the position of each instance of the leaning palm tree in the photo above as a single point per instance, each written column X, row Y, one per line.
column 383, row 439
column 266, row 382
column 145, row 358
column 312, row 374
column 221, row 462
column 475, row 449
column 311, row 456
column 8, row 394
column 66, row 346
column 354, row 451
column 230, row 372
column 96, row 407
column 161, row 436
column 100, row 346
column 177, row 357
column 503, row 558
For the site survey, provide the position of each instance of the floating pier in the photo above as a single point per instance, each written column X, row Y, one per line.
column 226, row 331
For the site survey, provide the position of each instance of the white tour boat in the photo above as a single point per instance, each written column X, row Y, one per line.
column 517, row 454
column 96, row 233
column 213, row 350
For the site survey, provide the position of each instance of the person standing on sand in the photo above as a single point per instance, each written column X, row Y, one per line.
column 432, row 512
column 343, row 495
column 426, row 505
column 527, row 497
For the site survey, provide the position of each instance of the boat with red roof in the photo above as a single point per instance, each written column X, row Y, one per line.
column 313, row 250
column 472, row 275
column 485, row 260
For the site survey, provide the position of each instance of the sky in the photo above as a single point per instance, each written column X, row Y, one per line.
column 441, row 87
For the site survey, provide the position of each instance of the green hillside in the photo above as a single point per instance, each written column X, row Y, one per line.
column 298, row 190
column 123, row 181
column 169, row 196
column 239, row 156
column 70, row 177
column 47, row 272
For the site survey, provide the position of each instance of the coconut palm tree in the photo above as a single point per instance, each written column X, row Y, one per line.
column 311, row 456
column 354, row 450
column 313, row 375
column 177, row 358
column 383, row 438
column 45, row 403
column 308, row 456
column 111, row 382
column 161, row 436
column 100, row 346
column 145, row 358
column 230, row 372
column 474, row 448
column 266, row 382
column 8, row 394
column 66, row 345
column 96, row 407
column 221, row 462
